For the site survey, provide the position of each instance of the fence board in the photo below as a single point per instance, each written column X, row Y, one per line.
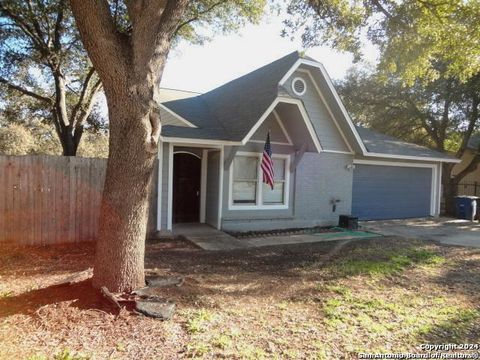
column 469, row 188
column 49, row 199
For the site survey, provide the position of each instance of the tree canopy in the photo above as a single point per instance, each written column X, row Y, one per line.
column 46, row 74
column 412, row 36
column 438, row 114
column 44, row 68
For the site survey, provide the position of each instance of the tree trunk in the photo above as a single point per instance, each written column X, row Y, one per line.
column 450, row 189
column 120, row 247
column 130, row 67
column 69, row 145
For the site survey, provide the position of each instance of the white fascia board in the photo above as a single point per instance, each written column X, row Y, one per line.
column 392, row 163
column 303, row 113
column 188, row 123
column 407, row 157
column 196, row 142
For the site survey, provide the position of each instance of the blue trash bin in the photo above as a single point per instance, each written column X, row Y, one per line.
column 466, row 207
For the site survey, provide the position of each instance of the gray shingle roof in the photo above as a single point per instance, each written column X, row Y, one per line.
column 474, row 143
column 384, row 144
column 231, row 110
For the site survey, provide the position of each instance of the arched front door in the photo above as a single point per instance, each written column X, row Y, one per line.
column 186, row 188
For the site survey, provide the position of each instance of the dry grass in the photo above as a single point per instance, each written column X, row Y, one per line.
column 299, row 302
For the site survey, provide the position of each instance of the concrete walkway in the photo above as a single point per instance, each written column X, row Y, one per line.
column 444, row 230
column 208, row 238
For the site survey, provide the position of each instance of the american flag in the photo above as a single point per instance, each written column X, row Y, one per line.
column 267, row 163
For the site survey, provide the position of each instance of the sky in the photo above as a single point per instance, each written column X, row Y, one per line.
column 203, row 67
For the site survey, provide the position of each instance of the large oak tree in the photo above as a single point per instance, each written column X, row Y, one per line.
column 128, row 43
column 44, row 69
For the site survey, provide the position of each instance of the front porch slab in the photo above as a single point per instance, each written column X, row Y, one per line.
column 209, row 238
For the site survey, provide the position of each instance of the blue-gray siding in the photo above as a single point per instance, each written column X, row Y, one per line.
column 391, row 192
column 328, row 133
column 318, row 179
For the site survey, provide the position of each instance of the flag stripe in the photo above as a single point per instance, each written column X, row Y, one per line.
column 267, row 164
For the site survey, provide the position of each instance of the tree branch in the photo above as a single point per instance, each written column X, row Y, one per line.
column 24, row 26
column 83, row 93
column 86, row 109
column 35, row 23
column 58, row 26
column 198, row 15
column 472, row 166
column 170, row 18
column 474, row 114
column 382, row 9
column 105, row 46
column 25, row 91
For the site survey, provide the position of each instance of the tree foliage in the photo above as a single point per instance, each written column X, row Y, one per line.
column 412, row 36
column 16, row 140
column 40, row 138
column 207, row 18
column 436, row 114
column 44, row 70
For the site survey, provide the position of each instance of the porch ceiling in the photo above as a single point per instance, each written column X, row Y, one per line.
column 296, row 126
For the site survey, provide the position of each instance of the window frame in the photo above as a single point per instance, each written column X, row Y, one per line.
column 259, row 205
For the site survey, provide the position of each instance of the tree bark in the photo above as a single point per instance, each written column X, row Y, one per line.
column 120, row 247
column 450, row 189
column 130, row 67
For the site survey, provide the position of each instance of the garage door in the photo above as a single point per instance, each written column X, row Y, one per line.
column 391, row 192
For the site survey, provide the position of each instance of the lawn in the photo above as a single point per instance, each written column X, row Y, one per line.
column 313, row 301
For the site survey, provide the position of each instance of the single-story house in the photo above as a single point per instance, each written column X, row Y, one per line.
column 212, row 143
column 470, row 184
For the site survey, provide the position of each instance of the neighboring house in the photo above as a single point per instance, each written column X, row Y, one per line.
column 470, row 184
column 212, row 145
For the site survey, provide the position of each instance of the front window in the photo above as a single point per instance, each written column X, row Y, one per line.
column 276, row 196
column 245, row 179
column 247, row 188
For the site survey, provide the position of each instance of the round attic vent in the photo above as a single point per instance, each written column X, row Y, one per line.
column 299, row 86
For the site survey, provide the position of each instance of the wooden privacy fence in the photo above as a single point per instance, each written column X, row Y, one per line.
column 471, row 188
column 49, row 199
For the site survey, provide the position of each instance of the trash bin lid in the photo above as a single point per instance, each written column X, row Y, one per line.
column 467, row 197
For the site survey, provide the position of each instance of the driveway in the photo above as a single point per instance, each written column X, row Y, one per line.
column 445, row 230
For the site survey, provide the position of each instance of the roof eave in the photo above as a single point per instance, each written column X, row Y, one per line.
column 412, row 157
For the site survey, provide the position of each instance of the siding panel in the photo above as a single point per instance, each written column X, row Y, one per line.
column 328, row 133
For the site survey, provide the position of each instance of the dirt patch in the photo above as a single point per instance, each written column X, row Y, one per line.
column 322, row 301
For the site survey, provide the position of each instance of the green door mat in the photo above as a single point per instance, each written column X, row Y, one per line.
column 344, row 233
